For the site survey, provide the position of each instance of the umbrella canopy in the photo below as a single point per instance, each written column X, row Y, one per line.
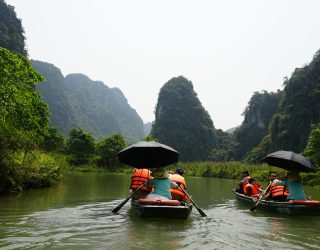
column 290, row 161
column 148, row 154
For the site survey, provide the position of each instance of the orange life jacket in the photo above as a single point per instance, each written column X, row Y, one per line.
column 244, row 182
column 176, row 192
column 254, row 190
column 257, row 186
column 277, row 190
column 138, row 177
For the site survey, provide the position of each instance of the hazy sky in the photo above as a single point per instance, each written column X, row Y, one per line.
column 228, row 49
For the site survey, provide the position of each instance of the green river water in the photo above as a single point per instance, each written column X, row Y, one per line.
column 76, row 214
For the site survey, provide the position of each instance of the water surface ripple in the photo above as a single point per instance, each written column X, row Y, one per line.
column 73, row 216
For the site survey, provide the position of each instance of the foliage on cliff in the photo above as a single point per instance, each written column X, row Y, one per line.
column 181, row 121
column 11, row 30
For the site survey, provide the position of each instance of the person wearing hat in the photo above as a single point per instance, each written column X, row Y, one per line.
column 294, row 185
column 177, row 193
column 161, row 184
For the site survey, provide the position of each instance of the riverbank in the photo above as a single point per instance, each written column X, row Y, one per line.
column 33, row 170
column 224, row 170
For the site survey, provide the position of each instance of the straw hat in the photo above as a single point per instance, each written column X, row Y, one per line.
column 159, row 173
column 293, row 175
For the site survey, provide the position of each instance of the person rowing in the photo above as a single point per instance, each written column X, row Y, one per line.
column 139, row 177
column 177, row 193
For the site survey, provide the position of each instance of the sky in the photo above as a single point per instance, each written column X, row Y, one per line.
column 228, row 49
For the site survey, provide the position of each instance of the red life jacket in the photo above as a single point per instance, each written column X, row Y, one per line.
column 254, row 190
column 278, row 190
column 176, row 193
column 138, row 177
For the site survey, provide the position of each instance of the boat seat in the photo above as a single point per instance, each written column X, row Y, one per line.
column 159, row 202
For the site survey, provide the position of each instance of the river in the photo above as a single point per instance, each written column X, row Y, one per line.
column 76, row 214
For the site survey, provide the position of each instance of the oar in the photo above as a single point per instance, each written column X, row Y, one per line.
column 258, row 201
column 199, row 209
column 126, row 200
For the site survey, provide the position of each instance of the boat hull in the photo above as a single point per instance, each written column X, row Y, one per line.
column 286, row 207
column 156, row 211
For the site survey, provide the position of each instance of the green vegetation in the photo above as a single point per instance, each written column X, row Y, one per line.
column 32, row 154
column 232, row 170
column 298, row 110
column 108, row 148
column 257, row 115
column 312, row 151
column 81, row 146
column 23, row 123
column 11, row 31
column 181, row 121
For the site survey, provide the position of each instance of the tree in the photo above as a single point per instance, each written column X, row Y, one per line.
column 108, row 149
column 52, row 140
column 23, row 115
column 181, row 121
column 81, row 146
column 224, row 149
column 312, row 151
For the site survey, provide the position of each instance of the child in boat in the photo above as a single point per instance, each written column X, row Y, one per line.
column 161, row 184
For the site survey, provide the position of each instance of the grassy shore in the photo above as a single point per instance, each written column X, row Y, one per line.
column 225, row 170
column 232, row 170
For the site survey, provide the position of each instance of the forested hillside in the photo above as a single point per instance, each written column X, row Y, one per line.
column 55, row 94
column 257, row 115
column 299, row 109
column 182, row 122
column 77, row 101
column 103, row 110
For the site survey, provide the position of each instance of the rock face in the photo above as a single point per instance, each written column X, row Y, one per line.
column 181, row 121
column 77, row 101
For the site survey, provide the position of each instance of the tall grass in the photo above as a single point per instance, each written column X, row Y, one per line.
column 233, row 170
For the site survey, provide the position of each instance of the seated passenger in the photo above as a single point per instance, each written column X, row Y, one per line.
column 243, row 182
column 177, row 193
column 139, row 177
column 257, row 186
column 161, row 184
column 294, row 185
column 273, row 177
column 250, row 189
column 277, row 192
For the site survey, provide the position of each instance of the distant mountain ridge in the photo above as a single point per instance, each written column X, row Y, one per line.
column 78, row 101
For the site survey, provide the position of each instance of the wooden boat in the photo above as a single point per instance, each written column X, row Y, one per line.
column 154, row 208
column 299, row 207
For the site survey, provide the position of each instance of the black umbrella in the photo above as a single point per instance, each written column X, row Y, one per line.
column 290, row 161
column 148, row 154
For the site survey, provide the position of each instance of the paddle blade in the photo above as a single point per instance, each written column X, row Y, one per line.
column 121, row 205
column 253, row 208
column 116, row 209
column 202, row 213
